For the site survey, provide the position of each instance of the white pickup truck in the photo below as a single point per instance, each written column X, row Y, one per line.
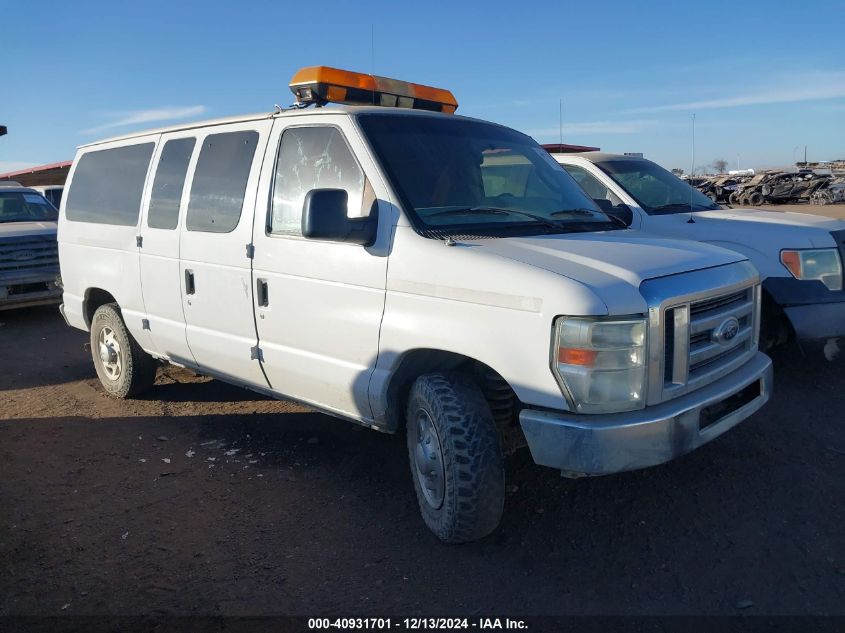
column 408, row 270
column 799, row 256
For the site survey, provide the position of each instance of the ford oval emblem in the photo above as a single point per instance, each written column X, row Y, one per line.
column 726, row 332
column 24, row 256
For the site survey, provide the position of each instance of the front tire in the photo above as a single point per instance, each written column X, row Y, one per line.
column 756, row 199
column 456, row 458
column 124, row 369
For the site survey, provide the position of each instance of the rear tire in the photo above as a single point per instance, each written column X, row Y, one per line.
column 124, row 369
column 755, row 199
column 456, row 458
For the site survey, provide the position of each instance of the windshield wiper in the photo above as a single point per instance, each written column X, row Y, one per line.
column 576, row 211
column 567, row 227
column 557, row 226
column 684, row 206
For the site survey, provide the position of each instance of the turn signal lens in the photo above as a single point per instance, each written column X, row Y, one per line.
column 792, row 260
column 569, row 356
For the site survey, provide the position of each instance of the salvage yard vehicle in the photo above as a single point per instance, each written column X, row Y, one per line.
column 789, row 187
column 29, row 258
column 513, row 310
column 799, row 256
column 833, row 193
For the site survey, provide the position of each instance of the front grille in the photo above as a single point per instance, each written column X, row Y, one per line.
column 693, row 339
column 21, row 254
column 707, row 338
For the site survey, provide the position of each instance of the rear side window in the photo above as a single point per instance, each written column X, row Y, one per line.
column 169, row 182
column 219, row 185
column 108, row 184
column 312, row 158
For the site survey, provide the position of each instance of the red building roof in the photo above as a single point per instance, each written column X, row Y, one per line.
column 52, row 174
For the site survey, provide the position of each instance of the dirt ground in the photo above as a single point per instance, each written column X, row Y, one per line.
column 202, row 498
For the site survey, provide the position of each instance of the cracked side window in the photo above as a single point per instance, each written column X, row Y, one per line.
column 312, row 158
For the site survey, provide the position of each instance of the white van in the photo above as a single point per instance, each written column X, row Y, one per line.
column 799, row 256
column 406, row 268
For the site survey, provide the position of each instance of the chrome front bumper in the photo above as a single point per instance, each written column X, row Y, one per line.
column 603, row 444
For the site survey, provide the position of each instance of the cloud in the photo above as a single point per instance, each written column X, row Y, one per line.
column 137, row 117
column 813, row 86
column 596, row 127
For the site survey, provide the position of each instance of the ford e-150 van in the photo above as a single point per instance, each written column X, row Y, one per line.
column 408, row 269
column 799, row 256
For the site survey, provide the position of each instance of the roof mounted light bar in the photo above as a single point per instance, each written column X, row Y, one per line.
column 320, row 85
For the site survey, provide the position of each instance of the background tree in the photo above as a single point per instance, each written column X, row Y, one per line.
column 678, row 171
column 720, row 165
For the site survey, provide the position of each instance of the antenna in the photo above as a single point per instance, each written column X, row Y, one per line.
column 560, row 123
column 692, row 172
column 373, row 54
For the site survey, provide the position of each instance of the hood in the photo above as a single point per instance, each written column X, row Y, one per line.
column 789, row 227
column 614, row 263
column 26, row 229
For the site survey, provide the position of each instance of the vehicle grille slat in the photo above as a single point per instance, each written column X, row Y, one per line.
column 709, row 319
column 704, row 352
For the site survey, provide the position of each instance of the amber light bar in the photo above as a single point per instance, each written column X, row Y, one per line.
column 321, row 84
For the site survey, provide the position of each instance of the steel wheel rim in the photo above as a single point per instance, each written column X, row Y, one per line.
column 110, row 354
column 428, row 461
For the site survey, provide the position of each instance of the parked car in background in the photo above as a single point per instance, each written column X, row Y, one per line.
column 255, row 249
column 799, row 256
column 29, row 259
column 53, row 193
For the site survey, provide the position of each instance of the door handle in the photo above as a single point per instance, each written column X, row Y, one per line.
column 262, row 294
column 190, row 288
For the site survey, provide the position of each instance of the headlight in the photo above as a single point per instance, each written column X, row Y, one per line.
column 601, row 365
column 822, row 264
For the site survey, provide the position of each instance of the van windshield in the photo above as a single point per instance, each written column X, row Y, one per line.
column 657, row 191
column 25, row 206
column 455, row 175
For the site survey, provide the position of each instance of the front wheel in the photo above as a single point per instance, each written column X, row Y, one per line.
column 756, row 199
column 456, row 459
column 124, row 369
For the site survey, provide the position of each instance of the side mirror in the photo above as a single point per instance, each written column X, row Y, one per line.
column 619, row 211
column 324, row 218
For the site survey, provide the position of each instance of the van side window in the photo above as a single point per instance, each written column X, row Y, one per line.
column 312, row 158
column 219, row 185
column 108, row 184
column 169, row 182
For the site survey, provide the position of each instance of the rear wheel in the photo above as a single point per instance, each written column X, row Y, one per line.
column 733, row 199
column 755, row 199
column 124, row 369
column 456, row 459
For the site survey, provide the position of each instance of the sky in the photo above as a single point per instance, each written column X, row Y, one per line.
column 762, row 78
